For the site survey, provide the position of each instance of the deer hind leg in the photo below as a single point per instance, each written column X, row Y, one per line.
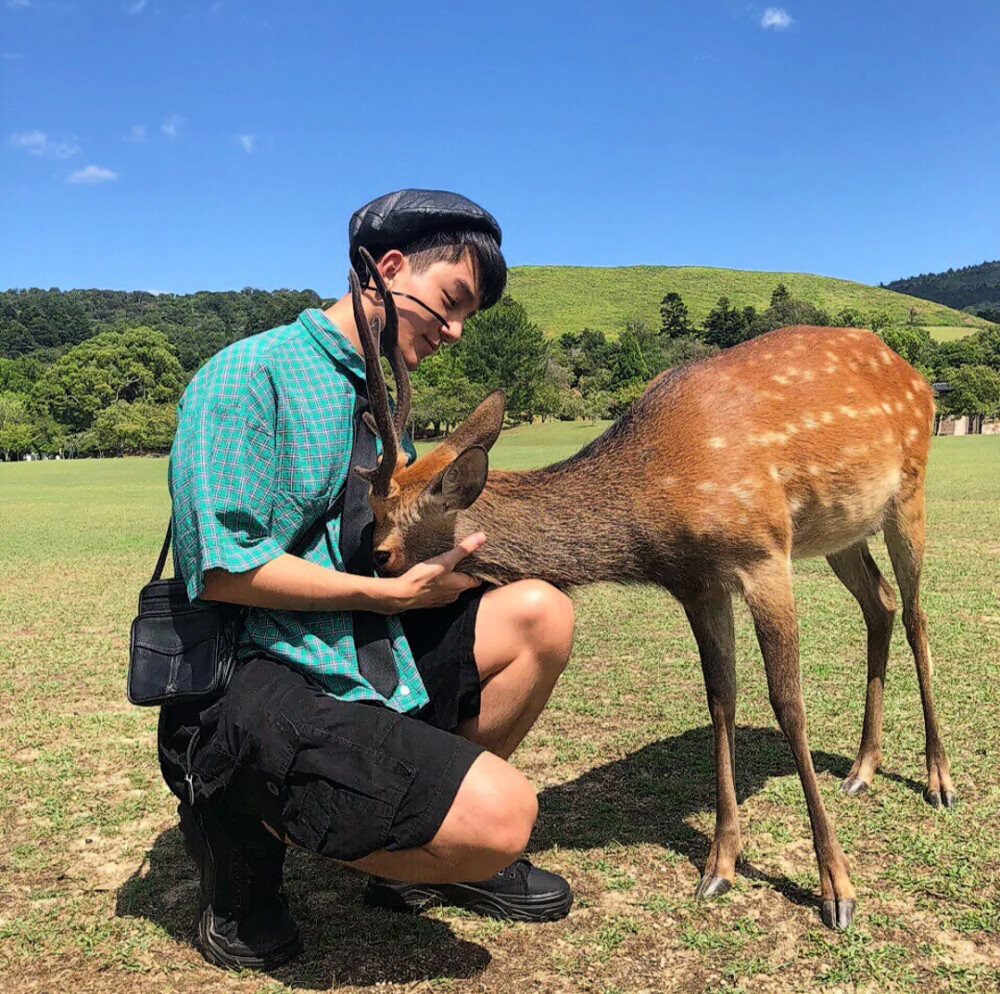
column 768, row 592
column 856, row 569
column 711, row 620
column 904, row 528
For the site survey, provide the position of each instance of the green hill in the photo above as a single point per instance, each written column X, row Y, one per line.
column 568, row 298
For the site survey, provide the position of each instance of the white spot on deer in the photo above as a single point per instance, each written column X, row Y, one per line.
column 742, row 495
column 898, row 405
column 874, row 410
column 791, row 372
column 909, row 395
column 707, row 488
column 808, row 422
column 768, row 438
column 886, row 407
column 717, row 442
column 832, row 356
column 768, row 355
column 913, row 432
column 774, row 473
column 847, row 411
column 887, row 437
column 826, row 417
column 855, row 450
column 781, row 380
column 791, row 429
column 795, row 505
column 916, row 384
column 813, row 469
column 886, row 358
column 669, row 481
column 832, row 368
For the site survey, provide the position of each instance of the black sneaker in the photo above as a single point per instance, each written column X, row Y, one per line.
column 521, row 892
column 244, row 922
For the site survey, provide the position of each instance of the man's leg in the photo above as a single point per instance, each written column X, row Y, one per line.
column 524, row 634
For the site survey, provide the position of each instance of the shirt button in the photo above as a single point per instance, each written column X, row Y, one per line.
column 405, row 691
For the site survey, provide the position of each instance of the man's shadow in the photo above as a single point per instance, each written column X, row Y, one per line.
column 649, row 795
column 345, row 943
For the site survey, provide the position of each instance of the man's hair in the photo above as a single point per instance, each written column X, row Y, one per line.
column 488, row 262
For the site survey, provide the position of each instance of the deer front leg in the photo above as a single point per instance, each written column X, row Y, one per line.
column 768, row 591
column 711, row 619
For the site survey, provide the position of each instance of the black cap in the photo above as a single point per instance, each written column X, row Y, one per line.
column 396, row 219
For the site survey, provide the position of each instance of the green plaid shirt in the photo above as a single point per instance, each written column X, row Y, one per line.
column 264, row 438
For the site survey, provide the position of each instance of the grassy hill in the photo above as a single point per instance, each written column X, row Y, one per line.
column 567, row 298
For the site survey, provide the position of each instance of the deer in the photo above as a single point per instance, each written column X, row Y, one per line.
column 802, row 442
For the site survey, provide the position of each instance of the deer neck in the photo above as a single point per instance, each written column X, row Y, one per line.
column 545, row 525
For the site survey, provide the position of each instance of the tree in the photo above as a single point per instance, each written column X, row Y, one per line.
column 674, row 319
column 501, row 347
column 17, row 429
column 780, row 295
column 629, row 362
column 914, row 344
column 132, row 429
column 974, row 390
column 131, row 365
column 726, row 326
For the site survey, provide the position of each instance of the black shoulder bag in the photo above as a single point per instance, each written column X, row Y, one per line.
column 179, row 651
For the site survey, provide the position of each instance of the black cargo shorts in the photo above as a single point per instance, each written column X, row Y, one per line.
column 342, row 779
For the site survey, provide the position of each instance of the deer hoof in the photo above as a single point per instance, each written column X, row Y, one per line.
column 839, row 912
column 854, row 786
column 940, row 799
column 712, row 886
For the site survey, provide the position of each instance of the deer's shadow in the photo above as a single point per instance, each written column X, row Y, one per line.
column 649, row 795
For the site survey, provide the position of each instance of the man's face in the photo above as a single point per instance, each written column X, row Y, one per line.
column 449, row 288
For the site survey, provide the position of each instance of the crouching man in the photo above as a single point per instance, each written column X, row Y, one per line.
column 370, row 719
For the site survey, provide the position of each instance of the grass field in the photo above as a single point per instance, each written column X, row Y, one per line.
column 568, row 298
column 946, row 333
column 96, row 894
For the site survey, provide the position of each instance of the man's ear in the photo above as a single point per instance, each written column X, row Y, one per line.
column 460, row 482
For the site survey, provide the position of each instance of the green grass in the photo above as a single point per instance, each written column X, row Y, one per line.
column 567, row 298
column 948, row 333
column 96, row 894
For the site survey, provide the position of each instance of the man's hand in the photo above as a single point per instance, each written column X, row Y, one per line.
column 435, row 582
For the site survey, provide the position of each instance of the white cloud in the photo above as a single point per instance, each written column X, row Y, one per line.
column 172, row 125
column 138, row 7
column 249, row 143
column 18, row 3
column 38, row 143
column 777, row 18
column 92, row 174
column 137, row 133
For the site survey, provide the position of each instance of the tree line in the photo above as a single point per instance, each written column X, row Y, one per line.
column 114, row 392
column 972, row 288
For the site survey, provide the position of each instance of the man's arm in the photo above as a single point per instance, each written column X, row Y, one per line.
column 289, row 583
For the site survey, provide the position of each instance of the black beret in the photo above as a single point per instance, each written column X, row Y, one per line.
column 396, row 219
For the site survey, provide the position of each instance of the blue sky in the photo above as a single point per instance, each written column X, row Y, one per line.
column 187, row 144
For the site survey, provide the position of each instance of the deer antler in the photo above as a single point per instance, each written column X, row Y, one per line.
column 378, row 397
column 390, row 347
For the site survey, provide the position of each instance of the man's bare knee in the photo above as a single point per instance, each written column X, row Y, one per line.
column 490, row 822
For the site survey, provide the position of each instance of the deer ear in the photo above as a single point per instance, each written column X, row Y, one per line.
column 482, row 427
column 461, row 481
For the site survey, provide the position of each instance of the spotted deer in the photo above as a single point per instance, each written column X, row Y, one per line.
column 802, row 442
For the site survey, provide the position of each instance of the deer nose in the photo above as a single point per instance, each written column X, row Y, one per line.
column 381, row 557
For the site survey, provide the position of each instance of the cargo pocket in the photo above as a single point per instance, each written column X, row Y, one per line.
column 342, row 797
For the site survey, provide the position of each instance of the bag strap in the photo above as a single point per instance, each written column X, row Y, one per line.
column 297, row 547
column 162, row 561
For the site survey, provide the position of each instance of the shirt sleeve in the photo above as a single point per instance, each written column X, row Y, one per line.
column 222, row 483
column 408, row 447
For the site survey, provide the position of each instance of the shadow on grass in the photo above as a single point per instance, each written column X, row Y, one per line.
column 344, row 942
column 647, row 797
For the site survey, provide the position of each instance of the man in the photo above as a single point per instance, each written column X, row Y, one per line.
column 398, row 767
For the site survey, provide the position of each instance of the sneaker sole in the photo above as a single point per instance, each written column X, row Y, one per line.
column 218, row 956
column 540, row 908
